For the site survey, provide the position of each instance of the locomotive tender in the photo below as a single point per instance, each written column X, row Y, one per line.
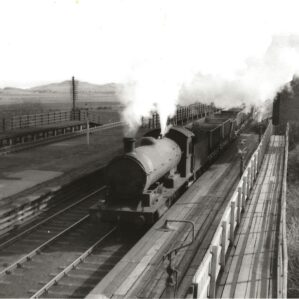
column 146, row 180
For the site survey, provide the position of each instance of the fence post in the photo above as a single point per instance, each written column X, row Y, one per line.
column 244, row 191
column 239, row 207
column 252, row 174
column 214, row 263
column 254, row 168
column 248, row 181
column 223, row 243
column 258, row 159
column 232, row 221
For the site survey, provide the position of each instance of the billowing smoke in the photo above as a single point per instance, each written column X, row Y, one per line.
column 230, row 54
column 151, row 89
column 258, row 80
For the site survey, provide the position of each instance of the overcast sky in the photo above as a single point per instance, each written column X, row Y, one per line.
column 103, row 41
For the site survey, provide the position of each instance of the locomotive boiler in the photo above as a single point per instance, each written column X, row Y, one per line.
column 142, row 183
column 145, row 181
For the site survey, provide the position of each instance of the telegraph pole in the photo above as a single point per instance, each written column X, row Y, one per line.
column 87, row 125
column 74, row 96
column 242, row 152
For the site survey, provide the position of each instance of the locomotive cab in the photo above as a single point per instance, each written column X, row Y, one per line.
column 184, row 138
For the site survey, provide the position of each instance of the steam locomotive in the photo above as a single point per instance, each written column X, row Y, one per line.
column 146, row 180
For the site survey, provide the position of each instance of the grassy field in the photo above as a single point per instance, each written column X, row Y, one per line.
column 293, row 221
column 102, row 112
column 32, row 107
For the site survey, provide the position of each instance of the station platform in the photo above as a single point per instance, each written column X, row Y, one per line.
column 28, row 136
column 37, row 170
column 31, row 130
column 251, row 267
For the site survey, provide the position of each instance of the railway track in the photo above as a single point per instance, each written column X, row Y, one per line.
column 79, row 277
column 16, row 221
column 32, row 254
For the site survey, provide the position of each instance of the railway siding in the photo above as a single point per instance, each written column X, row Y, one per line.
column 25, row 209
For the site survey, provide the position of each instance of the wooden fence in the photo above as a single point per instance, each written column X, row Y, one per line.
column 48, row 118
column 204, row 281
column 35, row 120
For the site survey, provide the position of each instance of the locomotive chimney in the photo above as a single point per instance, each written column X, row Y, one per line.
column 129, row 144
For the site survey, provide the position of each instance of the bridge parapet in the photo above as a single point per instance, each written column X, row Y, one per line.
column 204, row 281
column 282, row 252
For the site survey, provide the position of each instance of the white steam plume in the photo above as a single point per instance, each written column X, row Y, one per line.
column 226, row 52
column 257, row 81
column 152, row 88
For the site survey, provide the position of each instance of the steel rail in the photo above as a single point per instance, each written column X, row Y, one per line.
column 37, row 250
column 49, row 218
column 71, row 266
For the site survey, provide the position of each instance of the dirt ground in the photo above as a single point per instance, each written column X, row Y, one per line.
column 64, row 161
column 65, row 155
column 293, row 221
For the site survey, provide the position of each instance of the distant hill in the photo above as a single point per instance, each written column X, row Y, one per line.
column 82, row 87
column 61, row 92
column 14, row 91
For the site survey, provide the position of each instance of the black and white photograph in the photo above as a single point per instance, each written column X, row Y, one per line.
column 149, row 149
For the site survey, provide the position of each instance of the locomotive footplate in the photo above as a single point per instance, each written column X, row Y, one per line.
column 139, row 215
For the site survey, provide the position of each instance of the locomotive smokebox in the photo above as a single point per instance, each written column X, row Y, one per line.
column 129, row 144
